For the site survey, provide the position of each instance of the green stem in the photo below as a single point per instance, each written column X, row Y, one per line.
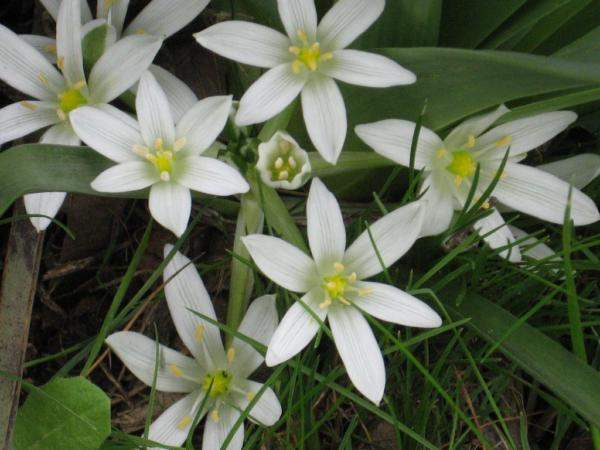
column 250, row 220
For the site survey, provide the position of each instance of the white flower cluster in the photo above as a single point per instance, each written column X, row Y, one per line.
column 164, row 148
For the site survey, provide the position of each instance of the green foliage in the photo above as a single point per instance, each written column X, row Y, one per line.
column 66, row 414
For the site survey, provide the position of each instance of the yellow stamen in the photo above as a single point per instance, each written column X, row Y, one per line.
column 504, row 141
column 441, row 152
column 278, row 163
column 108, row 3
column 344, row 301
column 230, row 354
column 140, row 31
column 214, row 415
column 327, row 56
column 30, row 106
column 80, row 85
column 284, row 147
column 294, row 50
column 175, row 370
column 61, row 114
column 141, row 150
column 292, row 162
column 199, row 333
column 250, row 396
column 486, row 205
column 302, row 36
column 179, row 144
column 165, row 176
column 296, row 67
column 43, row 79
column 183, row 423
column 50, row 48
column 283, row 175
column 363, row 292
column 470, row 141
column 60, row 62
column 457, row 180
column 338, row 267
column 353, row 277
column 159, row 144
column 327, row 302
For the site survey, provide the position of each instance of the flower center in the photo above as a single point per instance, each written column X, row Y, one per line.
column 338, row 286
column 160, row 157
column 70, row 100
column 220, row 383
column 309, row 55
column 285, row 166
column 462, row 165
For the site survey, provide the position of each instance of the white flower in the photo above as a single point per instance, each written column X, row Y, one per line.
column 157, row 153
column 159, row 17
column 331, row 282
column 221, row 375
column 282, row 163
column 450, row 164
column 306, row 61
column 58, row 93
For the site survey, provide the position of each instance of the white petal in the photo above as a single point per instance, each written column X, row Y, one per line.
column 394, row 305
column 52, row 7
column 283, row 263
column 138, row 353
column 61, row 134
column 121, row 66
column 185, row 292
column 367, row 69
column 68, row 41
column 210, row 176
column 577, row 170
column 202, row 124
column 126, row 177
column 106, row 133
column 393, row 235
column 437, row 205
column 499, row 238
column 392, row 138
column 267, row 409
column 180, row 96
column 43, row 44
column 347, row 20
column 165, row 17
column 532, row 247
column 118, row 11
column 119, row 114
column 269, row 95
column 525, row 134
column 170, row 205
column 326, row 229
column 246, row 42
column 297, row 328
column 259, row 324
column 43, row 203
column 543, row 195
column 21, row 118
column 167, row 428
column 359, row 351
column 325, row 116
column 154, row 112
column 26, row 69
column 473, row 127
column 298, row 15
column 215, row 433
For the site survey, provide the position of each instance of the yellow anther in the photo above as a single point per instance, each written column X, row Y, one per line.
column 344, row 301
column 441, row 152
column 457, row 180
column 159, row 144
column 230, row 354
column 179, row 144
column 503, row 175
column 199, row 333
column 141, row 150
column 214, row 415
column 283, row 175
column 353, row 277
column 61, row 114
column 30, row 106
column 51, row 48
column 302, row 36
column 292, row 162
column 470, row 141
column 140, row 31
column 165, row 176
column 326, row 303
column 183, row 423
column 338, row 267
column 504, row 141
column 60, row 62
column 284, row 147
column 175, row 370
column 79, row 85
column 250, row 396
column 294, row 50
column 296, row 66
column 486, row 205
column 108, row 3
column 327, row 56
column 363, row 292
column 278, row 163
column 43, row 79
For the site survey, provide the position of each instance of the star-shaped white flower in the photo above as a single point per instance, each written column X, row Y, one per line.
column 450, row 164
column 58, row 93
column 221, row 375
column 155, row 152
column 333, row 286
column 306, row 61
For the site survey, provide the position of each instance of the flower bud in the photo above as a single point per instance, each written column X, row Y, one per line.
column 282, row 163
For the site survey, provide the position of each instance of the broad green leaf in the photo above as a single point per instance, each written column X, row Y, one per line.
column 404, row 23
column 93, row 45
column 466, row 24
column 50, row 168
column 547, row 361
column 585, row 49
column 65, row 414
